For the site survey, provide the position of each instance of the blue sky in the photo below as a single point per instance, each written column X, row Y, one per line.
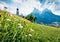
column 27, row 6
column 7, row 1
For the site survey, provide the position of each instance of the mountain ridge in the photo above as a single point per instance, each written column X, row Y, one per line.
column 46, row 16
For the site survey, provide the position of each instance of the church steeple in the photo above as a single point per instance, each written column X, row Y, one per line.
column 17, row 12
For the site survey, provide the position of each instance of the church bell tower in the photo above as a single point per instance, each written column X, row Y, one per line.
column 17, row 11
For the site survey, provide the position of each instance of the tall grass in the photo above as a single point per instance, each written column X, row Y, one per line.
column 17, row 29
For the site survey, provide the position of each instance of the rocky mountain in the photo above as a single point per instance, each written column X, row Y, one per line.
column 46, row 17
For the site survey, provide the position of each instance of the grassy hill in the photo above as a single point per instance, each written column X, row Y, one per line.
column 17, row 29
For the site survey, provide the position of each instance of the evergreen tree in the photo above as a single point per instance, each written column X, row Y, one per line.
column 31, row 18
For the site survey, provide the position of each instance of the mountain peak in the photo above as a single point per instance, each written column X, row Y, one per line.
column 36, row 11
column 46, row 16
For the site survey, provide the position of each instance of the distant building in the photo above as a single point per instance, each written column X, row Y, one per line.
column 17, row 11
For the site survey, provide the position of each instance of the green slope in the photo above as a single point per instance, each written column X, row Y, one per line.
column 17, row 29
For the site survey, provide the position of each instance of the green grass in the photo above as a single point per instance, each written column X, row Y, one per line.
column 17, row 29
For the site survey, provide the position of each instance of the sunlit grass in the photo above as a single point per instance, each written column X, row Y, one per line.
column 16, row 29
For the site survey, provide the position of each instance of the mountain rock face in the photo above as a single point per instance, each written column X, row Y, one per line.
column 46, row 17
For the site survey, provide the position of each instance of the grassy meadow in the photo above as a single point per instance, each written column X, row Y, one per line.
column 16, row 29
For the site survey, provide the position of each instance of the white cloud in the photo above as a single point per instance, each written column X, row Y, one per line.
column 17, row 1
column 55, row 8
column 11, row 8
column 27, row 6
column 2, row 5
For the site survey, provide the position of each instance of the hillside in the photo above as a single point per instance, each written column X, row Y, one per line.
column 17, row 29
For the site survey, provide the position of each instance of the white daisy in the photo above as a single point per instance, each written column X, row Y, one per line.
column 31, row 29
column 20, row 26
column 30, row 34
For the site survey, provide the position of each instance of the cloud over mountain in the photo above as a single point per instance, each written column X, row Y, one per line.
column 27, row 6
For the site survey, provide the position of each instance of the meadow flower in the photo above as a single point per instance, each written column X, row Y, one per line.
column 30, row 34
column 8, row 20
column 20, row 26
column 31, row 29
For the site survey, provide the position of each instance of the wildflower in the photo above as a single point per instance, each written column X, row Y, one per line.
column 30, row 34
column 31, row 29
column 20, row 26
column 8, row 20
